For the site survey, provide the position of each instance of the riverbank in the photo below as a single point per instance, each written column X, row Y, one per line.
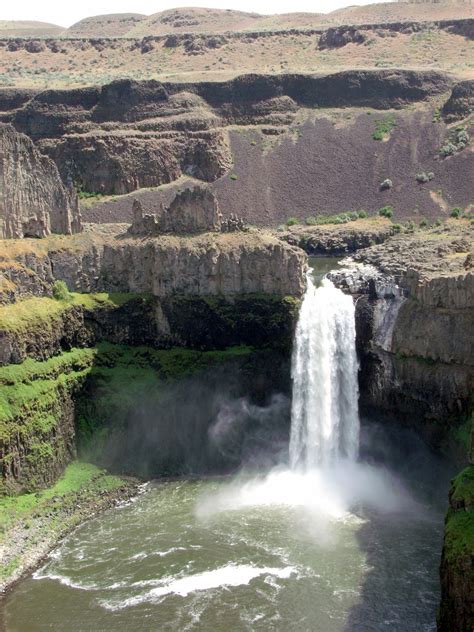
column 32, row 524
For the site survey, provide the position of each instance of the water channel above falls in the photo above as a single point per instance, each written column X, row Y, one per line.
column 345, row 546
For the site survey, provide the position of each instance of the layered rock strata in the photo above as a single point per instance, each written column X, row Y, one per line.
column 34, row 202
column 128, row 135
column 207, row 292
column 415, row 324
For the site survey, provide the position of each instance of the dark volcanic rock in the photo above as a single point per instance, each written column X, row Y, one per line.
column 192, row 211
column 461, row 102
column 130, row 135
column 33, row 200
column 416, row 299
column 338, row 37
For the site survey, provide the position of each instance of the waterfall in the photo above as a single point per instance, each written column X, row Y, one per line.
column 324, row 415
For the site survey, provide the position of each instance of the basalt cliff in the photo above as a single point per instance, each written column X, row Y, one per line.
column 156, row 228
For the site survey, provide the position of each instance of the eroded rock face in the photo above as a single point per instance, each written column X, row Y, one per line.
column 201, row 265
column 338, row 37
column 33, row 200
column 129, row 135
column 415, row 321
column 461, row 102
column 191, row 212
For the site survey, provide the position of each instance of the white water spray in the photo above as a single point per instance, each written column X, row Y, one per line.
column 324, row 415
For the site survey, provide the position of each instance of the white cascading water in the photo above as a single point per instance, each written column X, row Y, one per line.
column 324, row 415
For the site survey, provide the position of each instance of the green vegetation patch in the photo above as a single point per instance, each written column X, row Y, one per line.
column 459, row 526
column 28, row 520
column 35, row 398
column 32, row 385
column 383, row 127
column 463, row 488
column 341, row 218
column 77, row 476
column 40, row 312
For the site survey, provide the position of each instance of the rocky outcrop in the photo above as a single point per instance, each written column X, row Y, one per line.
column 341, row 36
column 129, row 135
column 460, row 104
column 33, row 200
column 338, row 37
column 37, row 420
column 338, row 240
column 193, row 211
column 118, row 163
column 110, row 260
column 415, row 322
column 456, row 610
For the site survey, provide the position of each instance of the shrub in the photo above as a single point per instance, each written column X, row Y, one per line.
column 233, row 176
column 438, row 222
column 386, row 211
column 409, row 226
column 456, row 212
column 424, row 177
column 397, row 228
column 386, row 184
column 362, row 214
column 292, row 221
column 461, row 138
column 424, row 223
column 456, row 141
column 352, row 216
column 60, row 291
column 383, row 127
column 311, row 221
column 281, row 228
column 448, row 149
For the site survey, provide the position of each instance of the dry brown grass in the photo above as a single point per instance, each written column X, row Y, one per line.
column 280, row 53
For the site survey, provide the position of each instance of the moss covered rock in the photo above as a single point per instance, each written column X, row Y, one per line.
column 457, row 565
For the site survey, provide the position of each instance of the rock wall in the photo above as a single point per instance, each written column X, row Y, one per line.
column 37, row 420
column 208, row 264
column 51, row 362
column 129, row 135
column 33, row 200
column 461, row 102
column 415, row 336
column 457, row 564
column 203, row 293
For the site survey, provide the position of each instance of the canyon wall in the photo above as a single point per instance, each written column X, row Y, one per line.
column 415, row 323
column 34, row 202
column 457, row 563
column 129, row 136
column 209, row 295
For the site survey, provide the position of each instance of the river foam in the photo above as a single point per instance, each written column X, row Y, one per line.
column 226, row 576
